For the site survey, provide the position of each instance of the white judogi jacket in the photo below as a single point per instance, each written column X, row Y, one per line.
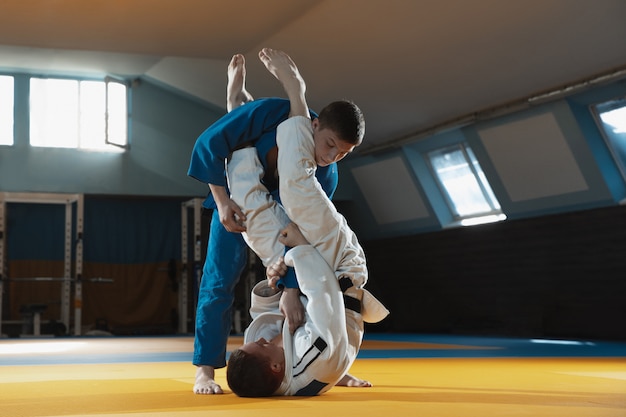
column 319, row 353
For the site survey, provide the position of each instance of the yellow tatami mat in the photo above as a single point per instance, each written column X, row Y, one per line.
column 152, row 377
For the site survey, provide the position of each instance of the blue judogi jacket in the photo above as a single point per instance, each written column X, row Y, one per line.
column 256, row 122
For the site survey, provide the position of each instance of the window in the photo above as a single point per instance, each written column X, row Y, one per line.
column 6, row 110
column 464, row 185
column 611, row 118
column 78, row 114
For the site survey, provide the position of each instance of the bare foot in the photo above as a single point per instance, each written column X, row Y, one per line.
column 236, row 93
column 352, row 381
column 285, row 70
column 205, row 381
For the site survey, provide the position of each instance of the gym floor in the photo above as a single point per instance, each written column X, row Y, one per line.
column 413, row 375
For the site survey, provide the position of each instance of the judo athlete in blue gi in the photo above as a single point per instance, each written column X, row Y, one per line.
column 247, row 122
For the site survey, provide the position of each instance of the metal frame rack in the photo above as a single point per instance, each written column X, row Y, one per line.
column 71, row 202
column 240, row 316
column 183, row 294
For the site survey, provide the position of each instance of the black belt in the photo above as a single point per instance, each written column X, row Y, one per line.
column 351, row 303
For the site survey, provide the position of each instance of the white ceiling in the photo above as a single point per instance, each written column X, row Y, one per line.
column 409, row 64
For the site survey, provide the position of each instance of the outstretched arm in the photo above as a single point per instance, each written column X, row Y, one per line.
column 286, row 71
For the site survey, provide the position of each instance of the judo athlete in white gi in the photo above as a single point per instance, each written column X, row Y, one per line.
column 331, row 270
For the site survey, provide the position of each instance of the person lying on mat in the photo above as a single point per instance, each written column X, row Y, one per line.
column 328, row 261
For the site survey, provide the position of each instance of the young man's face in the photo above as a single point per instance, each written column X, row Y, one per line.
column 264, row 349
column 329, row 147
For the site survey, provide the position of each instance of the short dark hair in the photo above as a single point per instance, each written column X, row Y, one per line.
column 250, row 376
column 345, row 119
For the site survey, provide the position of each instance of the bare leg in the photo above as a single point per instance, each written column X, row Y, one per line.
column 205, row 381
column 352, row 381
column 236, row 93
column 286, row 71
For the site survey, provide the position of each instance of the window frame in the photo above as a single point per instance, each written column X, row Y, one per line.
column 596, row 113
column 108, row 146
column 494, row 213
column 11, row 113
column 108, row 80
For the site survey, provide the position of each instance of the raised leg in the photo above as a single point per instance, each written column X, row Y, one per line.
column 236, row 93
column 285, row 70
